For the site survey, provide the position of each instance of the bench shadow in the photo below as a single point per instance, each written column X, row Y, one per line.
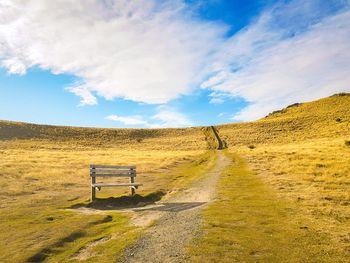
column 125, row 201
column 47, row 251
column 171, row 207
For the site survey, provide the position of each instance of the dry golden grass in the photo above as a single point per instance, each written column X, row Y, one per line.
column 300, row 157
column 26, row 170
column 77, row 137
column 301, row 152
column 42, row 177
column 325, row 118
column 314, row 174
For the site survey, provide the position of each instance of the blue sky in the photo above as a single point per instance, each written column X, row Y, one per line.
column 39, row 97
column 119, row 63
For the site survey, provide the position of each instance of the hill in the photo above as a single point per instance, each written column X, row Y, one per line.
column 285, row 196
column 324, row 118
column 301, row 155
column 158, row 138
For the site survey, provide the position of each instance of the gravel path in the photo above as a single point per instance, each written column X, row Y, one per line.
column 177, row 221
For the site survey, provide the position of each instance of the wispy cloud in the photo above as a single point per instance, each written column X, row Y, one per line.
column 85, row 94
column 217, row 97
column 128, row 120
column 167, row 117
column 164, row 117
column 278, row 62
column 216, row 100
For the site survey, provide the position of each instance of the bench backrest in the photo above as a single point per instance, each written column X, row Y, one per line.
column 112, row 170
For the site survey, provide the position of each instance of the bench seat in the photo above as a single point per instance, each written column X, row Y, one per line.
column 127, row 184
column 115, row 174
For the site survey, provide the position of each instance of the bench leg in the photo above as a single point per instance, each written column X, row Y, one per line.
column 93, row 189
column 93, row 194
column 132, row 180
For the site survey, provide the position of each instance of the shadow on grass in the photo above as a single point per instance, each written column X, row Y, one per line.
column 172, row 207
column 46, row 252
column 52, row 249
column 123, row 201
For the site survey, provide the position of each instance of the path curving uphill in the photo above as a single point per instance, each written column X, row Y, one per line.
column 221, row 144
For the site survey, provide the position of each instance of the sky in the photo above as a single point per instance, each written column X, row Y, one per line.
column 168, row 63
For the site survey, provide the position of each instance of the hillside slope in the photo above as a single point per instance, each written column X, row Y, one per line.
column 171, row 138
column 303, row 154
column 324, row 118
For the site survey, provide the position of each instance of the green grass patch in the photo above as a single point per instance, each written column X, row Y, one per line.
column 248, row 223
column 58, row 236
column 101, row 240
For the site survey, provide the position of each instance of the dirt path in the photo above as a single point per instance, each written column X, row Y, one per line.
column 178, row 219
column 218, row 139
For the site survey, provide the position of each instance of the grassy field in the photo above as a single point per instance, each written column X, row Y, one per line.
column 286, row 197
column 299, row 156
column 42, row 177
column 250, row 222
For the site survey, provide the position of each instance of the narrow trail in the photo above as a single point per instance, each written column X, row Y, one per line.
column 217, row 137
column 178, row 220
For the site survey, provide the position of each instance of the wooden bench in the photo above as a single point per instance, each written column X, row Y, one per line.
column 109, row 171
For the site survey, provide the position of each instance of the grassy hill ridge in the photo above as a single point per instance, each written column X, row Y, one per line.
column 23, row 130
column 161, row 139
column 325, row 118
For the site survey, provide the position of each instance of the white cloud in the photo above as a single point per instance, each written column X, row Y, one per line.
column 167, row 117
column 275, row 67
column 144, row 50
column 84, row 93
column 216, row 100
column 14, row 66
column 127, row 120
column 154, row 51
column 214, row 80
column 218, row 97
column 164, row 117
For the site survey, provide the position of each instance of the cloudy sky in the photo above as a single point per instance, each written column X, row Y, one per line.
column 159, row 63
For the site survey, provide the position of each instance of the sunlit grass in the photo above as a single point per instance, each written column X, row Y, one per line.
column 42, row 178
column 325, row 118
column 250, row 222
column 314, row 174
column 287, row 201
column 301, row 153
